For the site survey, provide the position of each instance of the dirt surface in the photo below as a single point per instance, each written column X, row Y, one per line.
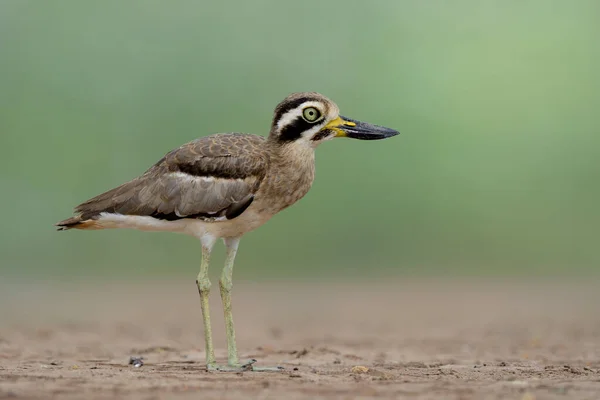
column 415, row 340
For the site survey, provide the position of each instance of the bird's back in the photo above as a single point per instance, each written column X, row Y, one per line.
column 211, row 178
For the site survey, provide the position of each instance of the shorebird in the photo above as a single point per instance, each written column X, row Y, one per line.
column 223, row 186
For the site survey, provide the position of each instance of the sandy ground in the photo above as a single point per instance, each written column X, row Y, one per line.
column 417, row 339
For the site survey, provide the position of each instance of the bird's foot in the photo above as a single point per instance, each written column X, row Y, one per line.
column 243, row 367
column 238, row 367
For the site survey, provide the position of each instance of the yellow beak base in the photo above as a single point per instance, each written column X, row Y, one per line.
column 336, row 125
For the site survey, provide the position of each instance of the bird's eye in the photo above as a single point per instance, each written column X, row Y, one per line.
column 311, row 114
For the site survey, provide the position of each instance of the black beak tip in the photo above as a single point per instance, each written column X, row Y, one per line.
column 366, row 131
column 388, row 132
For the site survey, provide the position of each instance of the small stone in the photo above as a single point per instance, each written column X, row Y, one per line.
column 136, row 361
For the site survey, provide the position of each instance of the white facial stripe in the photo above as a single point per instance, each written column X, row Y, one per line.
column 311, row 132
column 291, row 115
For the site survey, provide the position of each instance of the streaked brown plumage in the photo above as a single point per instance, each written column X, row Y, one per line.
column 236, row 162
column 224, row 185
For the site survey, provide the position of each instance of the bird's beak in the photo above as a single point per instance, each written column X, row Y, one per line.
column 346, row 127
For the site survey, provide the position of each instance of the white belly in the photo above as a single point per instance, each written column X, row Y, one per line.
column 248, row 221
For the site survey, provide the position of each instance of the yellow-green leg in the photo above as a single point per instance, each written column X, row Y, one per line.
column 226, row 284
column 203, row 284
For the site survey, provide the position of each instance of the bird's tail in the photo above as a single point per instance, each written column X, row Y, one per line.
column 75, row 223
column 68, row 223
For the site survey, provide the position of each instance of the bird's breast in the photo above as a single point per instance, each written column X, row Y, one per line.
column 285, row 184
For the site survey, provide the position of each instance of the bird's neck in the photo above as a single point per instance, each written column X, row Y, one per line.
column 291, row 172
column 294, row 154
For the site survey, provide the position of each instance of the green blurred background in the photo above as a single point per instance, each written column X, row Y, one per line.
column 497, row 170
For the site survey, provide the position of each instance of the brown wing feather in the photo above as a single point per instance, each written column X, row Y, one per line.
column 233, row 166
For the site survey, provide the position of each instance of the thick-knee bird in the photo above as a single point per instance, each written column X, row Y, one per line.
column 224, row 185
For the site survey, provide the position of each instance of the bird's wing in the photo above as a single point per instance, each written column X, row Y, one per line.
column 212, row 178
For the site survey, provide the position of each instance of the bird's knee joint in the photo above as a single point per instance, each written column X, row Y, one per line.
column 203, row 285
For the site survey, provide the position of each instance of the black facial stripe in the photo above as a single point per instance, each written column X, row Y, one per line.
column 322, row 134
column 294, row 129
column 279, row 112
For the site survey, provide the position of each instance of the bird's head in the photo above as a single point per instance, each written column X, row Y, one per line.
column 311, row 118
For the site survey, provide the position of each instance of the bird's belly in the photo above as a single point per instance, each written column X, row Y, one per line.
column 246, row 222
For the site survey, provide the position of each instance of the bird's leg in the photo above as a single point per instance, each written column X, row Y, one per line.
column 226, row 284
column 204, row 289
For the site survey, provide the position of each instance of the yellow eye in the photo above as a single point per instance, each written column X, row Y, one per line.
column 311, row 114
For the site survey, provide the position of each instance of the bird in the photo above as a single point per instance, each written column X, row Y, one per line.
column 222, row 186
